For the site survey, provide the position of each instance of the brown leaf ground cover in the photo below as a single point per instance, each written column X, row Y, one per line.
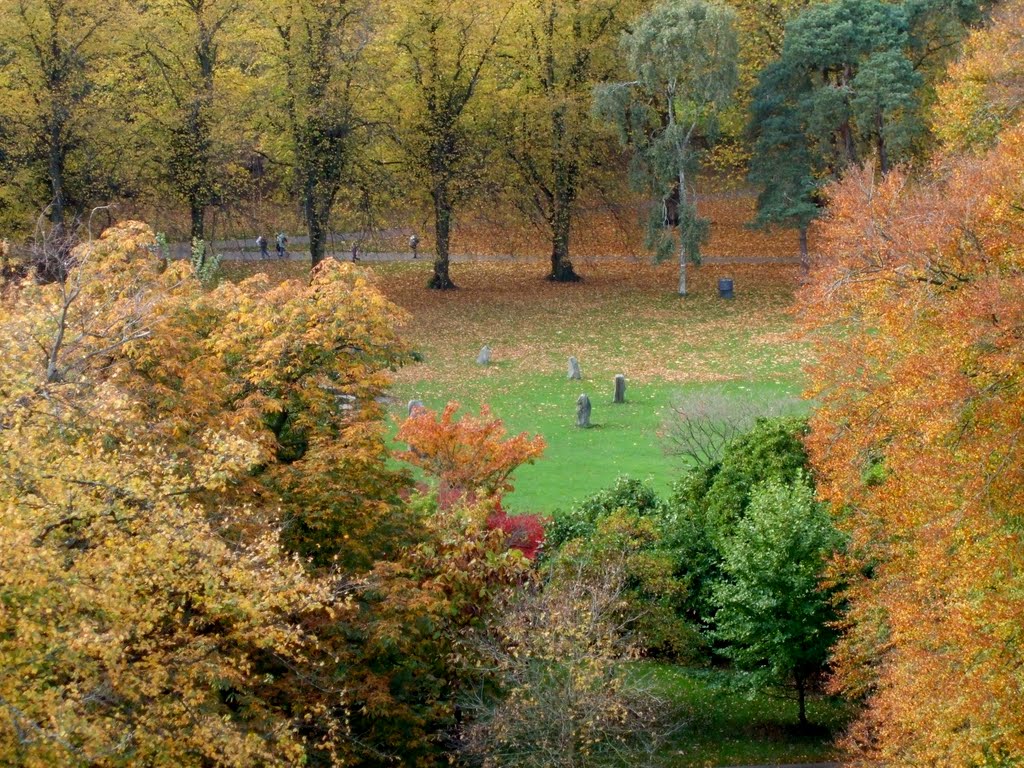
column 623, row 317
column 604, row 229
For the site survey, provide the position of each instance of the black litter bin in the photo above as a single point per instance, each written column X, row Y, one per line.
column 725, row 288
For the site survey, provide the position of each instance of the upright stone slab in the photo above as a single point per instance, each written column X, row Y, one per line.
column 620, row 388
column 484, row 358
column 414, row 404
column 574, row 369
column 583, row 411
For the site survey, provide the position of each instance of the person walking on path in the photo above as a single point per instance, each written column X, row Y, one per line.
column 414, row 243
column 261, row 243
column 282, row 239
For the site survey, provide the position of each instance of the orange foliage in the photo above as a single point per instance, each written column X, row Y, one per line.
column 984, row 92
column 470, row 453
column 917, row 314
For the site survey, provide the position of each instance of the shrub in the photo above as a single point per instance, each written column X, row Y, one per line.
column 709, row 502
column 700, row 424
column 626, row 493
column 522, row 532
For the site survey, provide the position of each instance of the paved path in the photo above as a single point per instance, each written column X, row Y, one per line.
column 461, row 258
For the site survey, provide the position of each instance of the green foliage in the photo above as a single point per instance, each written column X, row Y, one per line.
column 708, row 503
column 628, row 494
column 682, row 58
column 848, row 84
column 628, row 518
column 774, row 618
column 205, row 261
column 771, row 450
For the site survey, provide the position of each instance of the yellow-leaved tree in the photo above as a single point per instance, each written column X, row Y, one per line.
column 164, row 452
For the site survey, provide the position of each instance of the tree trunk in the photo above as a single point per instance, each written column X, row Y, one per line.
column 801, row 692
column 566, row 176
column 670, row 205
column 682, row 239
column 883, row 156
column 441, row 280
column 805, row 259
column 197, row 213
column 56, row 171
column 561, row 268
column 317, row 228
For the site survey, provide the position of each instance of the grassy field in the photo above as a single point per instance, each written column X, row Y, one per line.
column 720, row 724
column 623, row 318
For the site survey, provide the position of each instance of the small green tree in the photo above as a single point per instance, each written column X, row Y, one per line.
column 682, row 56
column 773, row 615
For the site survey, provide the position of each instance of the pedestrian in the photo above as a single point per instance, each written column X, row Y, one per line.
column 261, row 243
column 355, row 251
column 281, row 240
column 414, row 243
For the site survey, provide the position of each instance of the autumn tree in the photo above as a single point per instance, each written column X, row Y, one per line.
column 565, row 47
column 53, row 65
column 192, row 93
column 916, row 312
column 323, row 91
column 682, row 55
column 445, row 49
column 985, row 89
column 149, row 612
column 193, row 482
column 471, row 453
column 562, row 693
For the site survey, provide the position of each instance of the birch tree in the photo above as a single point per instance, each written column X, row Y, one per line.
column 682, row 57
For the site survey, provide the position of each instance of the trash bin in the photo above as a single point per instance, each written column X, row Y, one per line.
column 725, row 288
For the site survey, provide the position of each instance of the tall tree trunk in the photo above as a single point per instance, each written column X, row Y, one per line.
column 441, row 280
column 801, row 692
column 55, row 169
column 883, row 155
column 683, row 255
column 197, row 212
column 805, row 259
column 561, row 268
column 566, row 178
column 316, row 226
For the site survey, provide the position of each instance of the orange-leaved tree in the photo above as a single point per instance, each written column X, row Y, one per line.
column 468, row 454
column 916, row 309
column 984, row 92
column 161, row 450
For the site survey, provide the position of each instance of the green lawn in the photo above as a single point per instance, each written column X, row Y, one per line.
column 623, row 318
column 623, row 439
column 722, row 725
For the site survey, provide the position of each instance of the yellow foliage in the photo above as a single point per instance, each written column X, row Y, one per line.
column 151, row 615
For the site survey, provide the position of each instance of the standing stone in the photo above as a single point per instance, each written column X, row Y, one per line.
column 620, row 388
column 484, row 358
column 574, row 369
column 583, row 411
column 414, row 404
